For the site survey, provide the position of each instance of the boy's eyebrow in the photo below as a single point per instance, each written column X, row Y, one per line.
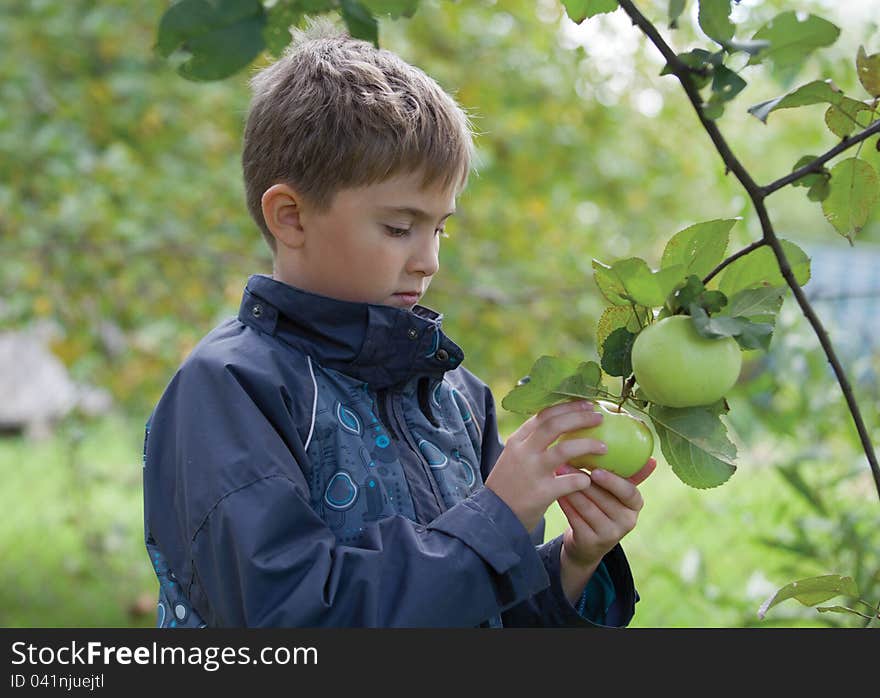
column 415, row 212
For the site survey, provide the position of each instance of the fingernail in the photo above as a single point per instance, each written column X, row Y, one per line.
column 602, row 447
column 587, row 405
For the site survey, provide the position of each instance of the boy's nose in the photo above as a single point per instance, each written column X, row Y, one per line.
column 425, row 260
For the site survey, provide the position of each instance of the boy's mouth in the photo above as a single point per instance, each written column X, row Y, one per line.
column 407, row 297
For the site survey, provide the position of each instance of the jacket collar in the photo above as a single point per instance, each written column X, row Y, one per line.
column 381, row 345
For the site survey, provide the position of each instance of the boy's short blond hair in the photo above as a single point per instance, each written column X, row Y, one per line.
column 336, row 112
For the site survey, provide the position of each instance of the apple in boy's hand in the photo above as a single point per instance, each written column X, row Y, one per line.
column 629, row 440
column 676, row 366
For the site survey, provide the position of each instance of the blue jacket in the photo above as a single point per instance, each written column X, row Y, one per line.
column 316, row 462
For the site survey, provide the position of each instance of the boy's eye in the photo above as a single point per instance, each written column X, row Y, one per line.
column 402, row 232
column 397, row 232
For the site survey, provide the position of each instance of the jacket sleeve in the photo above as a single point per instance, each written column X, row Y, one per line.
column 228, row 505
column 609, row 597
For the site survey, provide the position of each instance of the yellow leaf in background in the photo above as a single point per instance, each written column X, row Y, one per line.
column 108, row 47
column 151, row 121
column 42, row 306
column 99, row 92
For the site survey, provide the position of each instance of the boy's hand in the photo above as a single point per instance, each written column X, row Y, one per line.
column 598, row 519
column 525, row 474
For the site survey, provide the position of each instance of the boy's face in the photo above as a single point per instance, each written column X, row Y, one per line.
column 376, row 244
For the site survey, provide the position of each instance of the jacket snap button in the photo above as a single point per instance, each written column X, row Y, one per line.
column 442, row 355
column 257, row 310
column 413, row 333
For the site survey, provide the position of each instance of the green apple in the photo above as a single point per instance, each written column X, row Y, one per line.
column 629, row 440
column 676, row 366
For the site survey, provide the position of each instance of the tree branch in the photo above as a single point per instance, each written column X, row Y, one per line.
column 816, row 164
column 742, row 253
column 757, row 194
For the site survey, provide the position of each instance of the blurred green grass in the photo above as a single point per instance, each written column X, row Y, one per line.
column 71, row 533
column 72, row 542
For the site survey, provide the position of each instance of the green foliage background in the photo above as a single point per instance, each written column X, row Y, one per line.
column 122, row 219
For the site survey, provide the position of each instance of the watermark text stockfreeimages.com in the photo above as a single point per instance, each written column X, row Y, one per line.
column 209, row 658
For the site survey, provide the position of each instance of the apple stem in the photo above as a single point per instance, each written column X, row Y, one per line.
column 628, row 384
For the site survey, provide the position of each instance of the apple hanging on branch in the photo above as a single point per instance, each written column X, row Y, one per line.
column 674, row 336
column 676, row 366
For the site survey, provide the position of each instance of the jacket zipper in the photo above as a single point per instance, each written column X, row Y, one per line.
column 402, row 429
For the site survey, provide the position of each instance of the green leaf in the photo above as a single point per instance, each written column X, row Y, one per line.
column 617, row 316
column 755, row 302
column 841, row 610
column 219, row 36
column 714, row 18
column 395, row 8
column 360, row 21
column 747, row 46
column 816, row 181
column 609, row 284
column 811, row 591
column 848, row 115
column 713, row 109
column 759, row 268
column 699, row 248
column 279, row 19
column 313, row 7
column 815, row 92
column 820, row 190
column 868, row 68
column 579, row 10
column 714, row 327
column 855, row 189
column 748, row 334
column 694, row 442
column 694, row 293
column 808, row 180
column 755, row 335
column 646, row 287
column 700, row 60
column 726, row 84
column 552, row 380
column 792, row 38
column 676, row 8
column 617, row 352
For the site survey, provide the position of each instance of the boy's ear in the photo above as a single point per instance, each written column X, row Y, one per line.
column 282, row 210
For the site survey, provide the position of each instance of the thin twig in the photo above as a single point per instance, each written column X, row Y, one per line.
column 742, row 253
column 816, row 165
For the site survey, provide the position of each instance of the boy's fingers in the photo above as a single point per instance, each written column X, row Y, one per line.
column 551, row 428
column 573, row 448
column 563, row 407
column 607, row 503
column 567, row 484
column 528, row 427
column 574, row 515
column 623, row 489
column 525, row 430
column 588, row 511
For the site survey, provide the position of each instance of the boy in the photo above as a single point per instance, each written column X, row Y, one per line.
column 324, row 459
